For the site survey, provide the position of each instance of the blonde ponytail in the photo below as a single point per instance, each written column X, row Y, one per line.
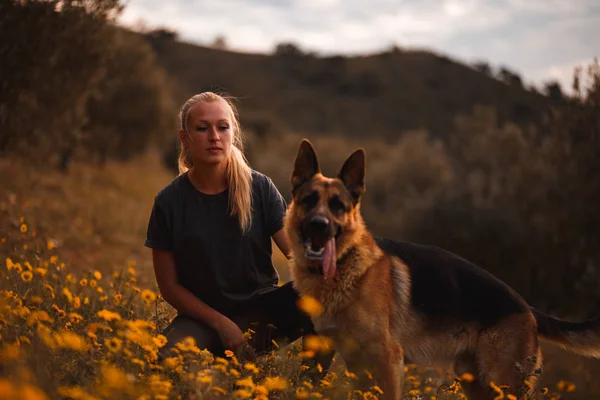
column 239, row 176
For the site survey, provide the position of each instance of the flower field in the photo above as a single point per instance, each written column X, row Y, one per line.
column 73, row 326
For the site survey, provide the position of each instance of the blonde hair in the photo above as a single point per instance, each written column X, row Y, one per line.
column 238, row 171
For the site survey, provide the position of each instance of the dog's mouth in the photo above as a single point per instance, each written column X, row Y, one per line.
column 314, row 247
column 321, row 248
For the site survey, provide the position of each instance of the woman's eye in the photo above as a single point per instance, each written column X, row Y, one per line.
column 201, row 128
column 223, row 128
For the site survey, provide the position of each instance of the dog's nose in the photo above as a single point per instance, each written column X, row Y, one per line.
column 319, row 223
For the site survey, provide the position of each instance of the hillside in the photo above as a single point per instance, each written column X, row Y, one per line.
column 381, row 94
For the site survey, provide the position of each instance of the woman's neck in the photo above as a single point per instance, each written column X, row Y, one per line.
column 209, row 179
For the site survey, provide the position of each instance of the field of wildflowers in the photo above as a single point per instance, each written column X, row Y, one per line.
column 73, row 326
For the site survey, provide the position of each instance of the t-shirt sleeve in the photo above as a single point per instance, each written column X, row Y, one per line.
column 158, row 235
column 276, row 208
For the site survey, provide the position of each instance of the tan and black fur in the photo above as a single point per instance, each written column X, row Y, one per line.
column 391, row 300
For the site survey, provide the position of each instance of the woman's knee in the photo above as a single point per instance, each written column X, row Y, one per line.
column 183, row 327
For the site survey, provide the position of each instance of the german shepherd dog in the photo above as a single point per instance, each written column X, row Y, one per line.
column 386, row 301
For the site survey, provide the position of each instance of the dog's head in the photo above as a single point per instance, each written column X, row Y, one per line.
column 324, row 214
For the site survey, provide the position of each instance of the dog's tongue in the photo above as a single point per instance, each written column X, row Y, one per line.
column 329, row 259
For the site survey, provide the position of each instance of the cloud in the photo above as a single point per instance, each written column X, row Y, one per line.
column 529, row 36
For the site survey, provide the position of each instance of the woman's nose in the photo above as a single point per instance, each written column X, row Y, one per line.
column 213, row 133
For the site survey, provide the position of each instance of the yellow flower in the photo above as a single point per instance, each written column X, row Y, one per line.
column 40, row 271
column 23, row 228
column 108, row 315
column 252, row 368
column 75, row 318
column 53, row 259
column 565, row 386
column 318, row 343
column 158, row 385
column 7, row 389
column 113, row 344
column 118, row 298
column 275, row 383
column 148, row 295
column 30, row 392
column 9, row 263
column 51, row 244
column 219, row 390
column 83, row 282
column 97, row 275
column 68, row 295
column 204, row 378
column 28, row 266
column 36, row 300
column 467, row 377
column 114, row 377
column 77, row 302
column 93, row 283
column 377, row 389
column 27, row 276
column 70, row 340
column 302, row 393
column 160, row 341
column 310, row 305
column 246, row 382
column 39, row 316
column 59, row 311
column 229, row 354
column 171, row 362
column 307, row 354
column 261, row 390
column 49, row 289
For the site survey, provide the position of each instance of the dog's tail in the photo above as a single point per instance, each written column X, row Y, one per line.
column 580, row 337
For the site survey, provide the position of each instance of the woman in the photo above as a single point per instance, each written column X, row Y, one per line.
column 210, row 233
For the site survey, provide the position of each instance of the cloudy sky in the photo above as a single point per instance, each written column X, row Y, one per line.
column 539, row 39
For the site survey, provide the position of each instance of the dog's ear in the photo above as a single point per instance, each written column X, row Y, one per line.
column 352, row 174
column 306, row 165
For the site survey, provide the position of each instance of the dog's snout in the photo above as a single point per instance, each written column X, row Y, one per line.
column 319, row 222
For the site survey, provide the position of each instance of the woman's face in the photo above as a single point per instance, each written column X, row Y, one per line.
column 210, row 136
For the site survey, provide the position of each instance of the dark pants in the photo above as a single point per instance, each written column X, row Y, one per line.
column 272, row 316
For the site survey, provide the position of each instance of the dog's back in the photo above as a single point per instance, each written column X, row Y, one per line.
column 447, row 288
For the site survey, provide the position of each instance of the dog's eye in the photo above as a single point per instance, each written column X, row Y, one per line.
column 311, row 200
column 336, row 205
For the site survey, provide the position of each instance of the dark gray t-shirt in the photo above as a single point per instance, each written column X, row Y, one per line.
column 213, row 259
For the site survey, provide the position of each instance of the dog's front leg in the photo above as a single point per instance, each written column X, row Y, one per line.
column 391, row 372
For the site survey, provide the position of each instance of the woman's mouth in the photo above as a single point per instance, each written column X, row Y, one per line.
column 215, row 150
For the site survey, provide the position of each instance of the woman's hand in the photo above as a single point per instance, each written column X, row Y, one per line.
column 233, row 339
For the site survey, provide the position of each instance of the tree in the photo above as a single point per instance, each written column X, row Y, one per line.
column 53, row 54
column 220, row 43
column 132, row 106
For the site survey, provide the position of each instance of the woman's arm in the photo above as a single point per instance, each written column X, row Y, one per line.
column 282, row 241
